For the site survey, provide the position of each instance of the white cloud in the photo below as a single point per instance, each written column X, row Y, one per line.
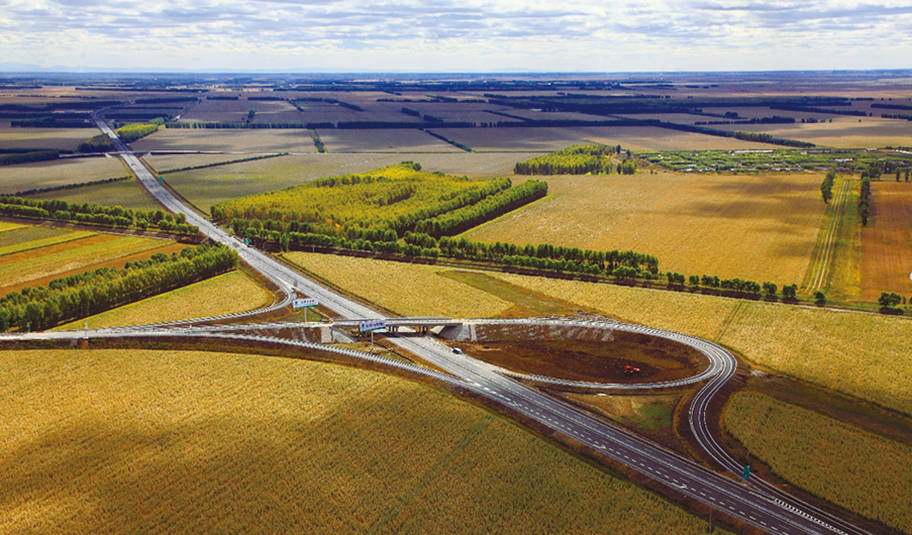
column 451, row 36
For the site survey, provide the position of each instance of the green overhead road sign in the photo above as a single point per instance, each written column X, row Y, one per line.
column 747, row 471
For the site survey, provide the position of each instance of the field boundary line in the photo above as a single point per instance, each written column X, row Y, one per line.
column 726, row 323
column 824, row 252
column 88, row 234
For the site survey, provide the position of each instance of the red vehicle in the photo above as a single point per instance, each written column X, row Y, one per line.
column 631, row 370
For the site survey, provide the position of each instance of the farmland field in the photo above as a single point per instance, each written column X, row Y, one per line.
column 15, row 178
column 887, row 241
column 127, row 441
column 751, row 227
column 44, row 138
column 629, row 137
column 825, row 347
column 87, row 252
column 222, row 294
column 167, row 162
column 821, row 346
column 205, row 187
column 127, row 193
column 843, row 132
column 383, row 140
column 228, row 140
column 35, row 237
column 446, row 296
column 823, row 455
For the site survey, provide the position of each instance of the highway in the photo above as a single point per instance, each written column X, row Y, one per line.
column 754, row 502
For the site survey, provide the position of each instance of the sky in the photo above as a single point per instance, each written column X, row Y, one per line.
column 451, row 36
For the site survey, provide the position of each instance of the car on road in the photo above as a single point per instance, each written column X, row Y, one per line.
column 457, row 351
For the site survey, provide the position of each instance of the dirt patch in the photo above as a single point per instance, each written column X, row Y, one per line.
column 650, row 415
column 584, row 354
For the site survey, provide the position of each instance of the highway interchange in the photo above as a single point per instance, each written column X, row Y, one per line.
column 753, row 502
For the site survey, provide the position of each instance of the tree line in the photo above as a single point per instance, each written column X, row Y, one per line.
column 462, row 219
column 576, row 160
column 78, row 296
column 864, row 200
column 28, row 157
column 114, row 216
column 826, row 187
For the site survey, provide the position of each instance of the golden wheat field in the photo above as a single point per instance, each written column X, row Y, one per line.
column 861, row 354
column 825, row 456
column 223, row 294
column 407, row 289
column 752, row 227
column 138, row 441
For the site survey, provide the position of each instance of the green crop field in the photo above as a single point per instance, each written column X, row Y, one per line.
column 130, row 441
column 836, row 461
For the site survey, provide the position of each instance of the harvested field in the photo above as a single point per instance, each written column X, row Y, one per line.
column 222, row 294
column 88, row 252
column 585, row 359
column 16, row 178
column 128, row 441
column 551, row 139
column 752, row 227
column 127, row 193
column 843, row 132
column 655, row 138
column 241, row 141
column 886, row 242
column 822, row 455
column 400, row 140
column 167, row 162
column 44, row 138
column 423, row 291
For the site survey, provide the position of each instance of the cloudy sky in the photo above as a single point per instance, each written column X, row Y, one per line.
column 468, row 35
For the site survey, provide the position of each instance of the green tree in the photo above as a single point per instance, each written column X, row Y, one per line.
column 819, row 298
column 889, row 300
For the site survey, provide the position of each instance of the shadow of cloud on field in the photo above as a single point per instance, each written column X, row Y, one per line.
column 234, row 472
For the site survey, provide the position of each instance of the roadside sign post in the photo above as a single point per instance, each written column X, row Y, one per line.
column 305, row 303
column 371, row 326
